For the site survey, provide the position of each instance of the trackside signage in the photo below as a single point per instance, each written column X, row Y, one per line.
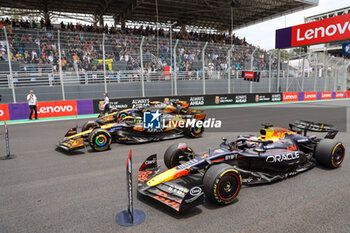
column 321, row 31
column 4, row 112
column 57, row 108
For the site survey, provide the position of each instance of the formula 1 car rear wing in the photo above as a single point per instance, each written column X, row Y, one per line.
column 171, row 194
column 302, row 127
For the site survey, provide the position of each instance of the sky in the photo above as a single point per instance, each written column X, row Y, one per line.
column 263, row 34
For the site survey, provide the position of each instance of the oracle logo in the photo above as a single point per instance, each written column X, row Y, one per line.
column 56, row 109
column 1, row 112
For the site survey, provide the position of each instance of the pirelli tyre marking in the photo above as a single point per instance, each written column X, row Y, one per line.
column 224, row 187
column 338, row 154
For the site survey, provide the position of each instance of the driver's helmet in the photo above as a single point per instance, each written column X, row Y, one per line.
column 250, row 143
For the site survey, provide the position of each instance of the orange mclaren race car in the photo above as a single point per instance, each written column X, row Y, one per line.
column 173, row 121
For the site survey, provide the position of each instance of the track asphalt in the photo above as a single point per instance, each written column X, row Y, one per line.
column 46, row 191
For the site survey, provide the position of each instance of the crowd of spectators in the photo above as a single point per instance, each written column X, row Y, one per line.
column 35, row 46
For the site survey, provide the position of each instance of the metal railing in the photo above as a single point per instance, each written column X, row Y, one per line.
column 36, row 58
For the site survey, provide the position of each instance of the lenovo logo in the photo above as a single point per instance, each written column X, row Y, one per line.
column 290, row 96
column 56, row 109
column 339, row 95
column 326, row 95
column 310, row 96
column 323, row 32
column 331, row 29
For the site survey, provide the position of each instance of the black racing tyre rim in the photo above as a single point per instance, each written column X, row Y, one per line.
column 228, row 186
column 338, row 154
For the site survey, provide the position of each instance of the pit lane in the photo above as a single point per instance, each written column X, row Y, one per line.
column 44, row 190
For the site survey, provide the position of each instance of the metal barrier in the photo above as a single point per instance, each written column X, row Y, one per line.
column 40, row 58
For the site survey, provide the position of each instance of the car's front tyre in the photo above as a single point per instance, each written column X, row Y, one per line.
column 222, row 184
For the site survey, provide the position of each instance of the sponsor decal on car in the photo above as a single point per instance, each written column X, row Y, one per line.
column 290, row 96
column 278, row 158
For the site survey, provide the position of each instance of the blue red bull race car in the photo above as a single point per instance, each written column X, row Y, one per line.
column 218, row 174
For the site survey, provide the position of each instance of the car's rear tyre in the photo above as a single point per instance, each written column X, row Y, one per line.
column 100, row 139
column 89, row 125
column 222, row 184
column 177, row 153
column 194, row 131
column 330, row 153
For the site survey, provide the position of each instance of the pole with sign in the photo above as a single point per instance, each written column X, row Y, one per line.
column 131, row 216
column 7, row 141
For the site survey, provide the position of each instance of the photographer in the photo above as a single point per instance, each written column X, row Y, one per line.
column 32, row 101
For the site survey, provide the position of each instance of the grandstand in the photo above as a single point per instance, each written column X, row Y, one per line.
column 130, row 53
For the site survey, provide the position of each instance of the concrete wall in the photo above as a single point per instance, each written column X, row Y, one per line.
column 163, row 88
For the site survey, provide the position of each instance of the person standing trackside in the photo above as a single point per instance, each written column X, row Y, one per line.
column 32, row 101
column 105, row 103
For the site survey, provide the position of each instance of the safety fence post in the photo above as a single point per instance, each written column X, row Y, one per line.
column 278, row 69
column 60, row 63
column 251, row 68
column 10, row 66
column 270, row 73
column 104, row 61
column 175, row 76
column 229, row 70
column 141, row 60
column 203, row 63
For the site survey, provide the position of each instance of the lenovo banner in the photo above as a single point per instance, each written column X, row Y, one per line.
column 326, row 95
column 347, row 94
column 310, row 95
column 4, row 112
column 57, row 108
column 339, row 95
column 321, row 31
column 290, row 96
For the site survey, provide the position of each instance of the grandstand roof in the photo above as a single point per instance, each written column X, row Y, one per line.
column 206, row 13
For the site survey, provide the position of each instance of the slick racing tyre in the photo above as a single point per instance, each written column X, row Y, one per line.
column 177, row 153
column 330, row 153
column 89, row 125
column 222, row 184
column 100, row 139
column 194, row 131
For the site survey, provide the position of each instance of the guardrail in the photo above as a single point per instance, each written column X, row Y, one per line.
column 18, row 111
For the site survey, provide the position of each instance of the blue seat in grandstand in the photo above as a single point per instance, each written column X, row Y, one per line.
column 33, row 79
